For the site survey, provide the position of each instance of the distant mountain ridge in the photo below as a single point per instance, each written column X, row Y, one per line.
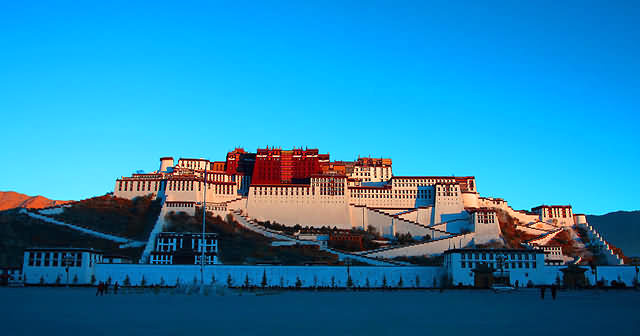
column 12, row 199
column 620, row 228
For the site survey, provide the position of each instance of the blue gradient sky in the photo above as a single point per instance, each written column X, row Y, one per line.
column 539, row 101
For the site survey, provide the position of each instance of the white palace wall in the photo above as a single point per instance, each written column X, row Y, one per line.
column 448, row 204
column 302, row 208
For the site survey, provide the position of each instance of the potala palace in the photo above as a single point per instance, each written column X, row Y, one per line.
column 302, row 186
column 444, row 216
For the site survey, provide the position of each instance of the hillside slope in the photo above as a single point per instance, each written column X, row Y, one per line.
column 132, row 219
column 19, row 231
column 12, row 199
column 122, row 217
column 620, row 228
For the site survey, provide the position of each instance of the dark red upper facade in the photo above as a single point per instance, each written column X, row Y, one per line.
column 240, row 162
column 277, row 166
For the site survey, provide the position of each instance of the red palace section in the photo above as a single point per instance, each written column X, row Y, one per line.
column 277, row 166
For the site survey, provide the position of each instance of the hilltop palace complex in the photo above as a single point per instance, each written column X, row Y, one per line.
column 302, row 186
column 445, row 216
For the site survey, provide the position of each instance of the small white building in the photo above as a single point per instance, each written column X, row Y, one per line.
column 116, row 259
column 11, row 276
column 313, row 235
column 552, row 255
column 60, row 265
column 185, row 248
column 522, row 266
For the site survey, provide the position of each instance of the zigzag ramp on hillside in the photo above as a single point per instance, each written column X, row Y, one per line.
column 125, row 241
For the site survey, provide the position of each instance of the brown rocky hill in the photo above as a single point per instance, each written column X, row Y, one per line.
column 12, row 199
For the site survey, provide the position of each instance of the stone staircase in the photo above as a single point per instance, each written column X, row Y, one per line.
column 252, row 225
column 597, row 240
column 544, row 238
column 444, row 243
column 429, row 229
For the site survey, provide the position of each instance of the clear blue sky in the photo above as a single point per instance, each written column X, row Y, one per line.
column 539, row 100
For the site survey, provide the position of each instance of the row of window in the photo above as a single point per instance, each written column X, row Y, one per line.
column 506, row 265
column 555, row 212
column 180, row 204
column 139, row 185
column 493, row 256
column 160, row 259
column 485, row 218
column 55, row 259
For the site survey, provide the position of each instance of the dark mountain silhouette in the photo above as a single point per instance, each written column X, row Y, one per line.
column 620, row 228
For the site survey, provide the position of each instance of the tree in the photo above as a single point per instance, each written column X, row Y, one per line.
column 229, row 281
column 264, row 279
column 372, row 230
column 246, row 281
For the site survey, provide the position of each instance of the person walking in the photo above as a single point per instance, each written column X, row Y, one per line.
column 542, row 290
column 554, row 291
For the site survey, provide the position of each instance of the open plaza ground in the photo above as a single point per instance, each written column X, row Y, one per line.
column 77, row 311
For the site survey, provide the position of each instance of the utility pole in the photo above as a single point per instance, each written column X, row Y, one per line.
column 204, row 212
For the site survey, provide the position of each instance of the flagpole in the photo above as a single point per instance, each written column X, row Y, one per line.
column 204, row 211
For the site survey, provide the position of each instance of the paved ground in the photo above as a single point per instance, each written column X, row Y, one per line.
column 77, row 311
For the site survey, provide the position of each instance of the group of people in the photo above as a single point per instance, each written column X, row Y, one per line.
column 103, row 288
column 554, row 291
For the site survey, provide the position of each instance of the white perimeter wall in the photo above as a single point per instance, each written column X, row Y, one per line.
column 310, row 276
